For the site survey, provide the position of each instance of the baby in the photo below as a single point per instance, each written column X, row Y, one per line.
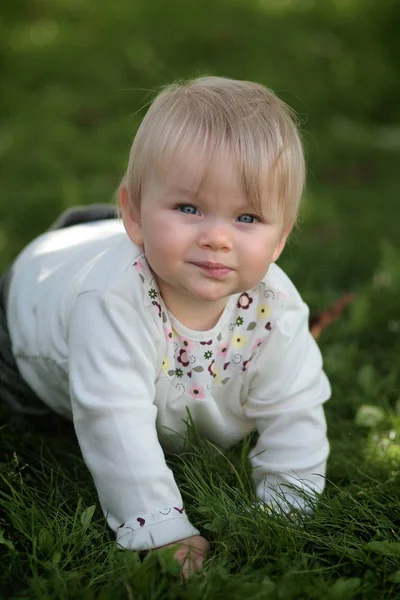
column 121, row 325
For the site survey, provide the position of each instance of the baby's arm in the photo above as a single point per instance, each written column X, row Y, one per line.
column 285, row 399
column 112, row 368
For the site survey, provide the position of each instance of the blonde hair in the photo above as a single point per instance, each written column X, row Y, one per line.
column 217, row 115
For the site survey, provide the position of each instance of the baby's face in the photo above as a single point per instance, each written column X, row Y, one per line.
column 202, row 237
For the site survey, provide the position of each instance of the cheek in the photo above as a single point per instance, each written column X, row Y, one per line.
column 257, row 253
column 255, row 247
column 163, row 239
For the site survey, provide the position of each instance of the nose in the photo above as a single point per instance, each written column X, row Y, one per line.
column 215, row 235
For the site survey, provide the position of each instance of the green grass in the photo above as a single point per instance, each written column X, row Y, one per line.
column 76, row 77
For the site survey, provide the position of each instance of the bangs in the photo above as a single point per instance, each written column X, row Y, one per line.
column 236, row 120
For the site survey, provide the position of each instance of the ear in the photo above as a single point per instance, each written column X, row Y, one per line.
column 130, row 217
column 282, row 242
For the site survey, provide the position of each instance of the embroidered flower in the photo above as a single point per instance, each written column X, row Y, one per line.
column 138, row 265
column 153, row 293
column 208, row 354
column 239, row 341
column 263, row 311
column 222, row 349
column 187, row 344
column 165, row 364
column 183, row 358
column 244, row 301
column 179, row 372
column 197, row 391
column 216, row 375
column 154, row 303
column 239, row 321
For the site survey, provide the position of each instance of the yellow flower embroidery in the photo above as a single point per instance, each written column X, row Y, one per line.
column 216, row 376
column 239, row 341
column 165, row 364
column 263, row 311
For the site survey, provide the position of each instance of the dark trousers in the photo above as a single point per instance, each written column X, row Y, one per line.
column 14, row 391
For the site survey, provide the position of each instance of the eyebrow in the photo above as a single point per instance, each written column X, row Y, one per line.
column 182, row 191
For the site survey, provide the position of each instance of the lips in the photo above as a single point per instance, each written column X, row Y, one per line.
column 213, row 269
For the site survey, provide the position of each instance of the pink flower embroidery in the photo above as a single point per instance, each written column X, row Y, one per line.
column 222, row 349
column 183, row 358
column 244, row 301
column 138, row 265
column 187, row 344
column 198, row 392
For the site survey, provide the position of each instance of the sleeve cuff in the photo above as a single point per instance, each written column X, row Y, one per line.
column 155, row 529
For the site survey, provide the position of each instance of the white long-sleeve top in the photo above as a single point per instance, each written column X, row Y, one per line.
column 94, row 340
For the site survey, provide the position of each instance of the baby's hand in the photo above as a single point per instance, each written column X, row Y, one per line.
column 190, row 553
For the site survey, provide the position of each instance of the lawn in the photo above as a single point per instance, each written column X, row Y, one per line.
column 76, row 77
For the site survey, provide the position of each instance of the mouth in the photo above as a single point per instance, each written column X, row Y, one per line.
column 215, row 270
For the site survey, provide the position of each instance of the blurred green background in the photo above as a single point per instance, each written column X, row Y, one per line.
column 77, row 75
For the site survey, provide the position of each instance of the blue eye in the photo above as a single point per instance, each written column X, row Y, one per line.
column 247, row 219
column 188, row 209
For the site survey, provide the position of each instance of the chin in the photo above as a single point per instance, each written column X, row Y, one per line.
column 210, row 298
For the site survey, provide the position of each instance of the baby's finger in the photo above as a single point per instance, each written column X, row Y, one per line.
column 188, row 568
column 199, row 563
